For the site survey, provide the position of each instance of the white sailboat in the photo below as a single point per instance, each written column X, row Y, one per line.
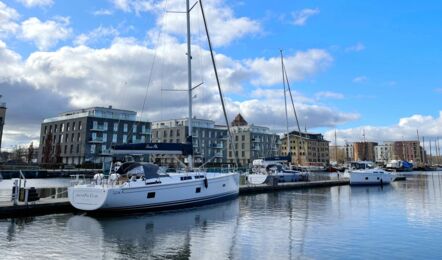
column 148, row 189
column 277, row 168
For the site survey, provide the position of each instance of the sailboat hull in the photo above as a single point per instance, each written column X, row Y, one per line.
column 154, row 197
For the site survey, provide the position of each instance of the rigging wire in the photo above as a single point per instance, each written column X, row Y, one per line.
column 218, row 83
column 160, row 32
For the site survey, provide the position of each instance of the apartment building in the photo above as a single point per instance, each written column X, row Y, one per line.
column 410, row 151
column 307, row 149
column 251, row 142
column 364, row 151
column 209, row 139
column 383, row 152
column 86, row 135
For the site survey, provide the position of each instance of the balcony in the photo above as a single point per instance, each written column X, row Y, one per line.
column 98, row 128
column 96, row 140
column 217, row 146
column 219, row 155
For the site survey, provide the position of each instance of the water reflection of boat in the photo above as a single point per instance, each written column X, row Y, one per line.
column 191, row 233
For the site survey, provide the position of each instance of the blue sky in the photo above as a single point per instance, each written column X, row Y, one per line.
column 355, row 66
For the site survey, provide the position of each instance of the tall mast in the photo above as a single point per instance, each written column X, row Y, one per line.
column 189, row 80
column 419, row 146
column 336, row 148
column 285, row 107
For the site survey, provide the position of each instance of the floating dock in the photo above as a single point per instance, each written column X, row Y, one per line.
column 62, row 205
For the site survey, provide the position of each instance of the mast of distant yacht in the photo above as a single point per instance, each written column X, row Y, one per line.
column 285, row 107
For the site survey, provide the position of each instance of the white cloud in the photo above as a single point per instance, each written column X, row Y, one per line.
column 97, row 35
column 32, row 3
column 329, row 95
column 8, row 18
column 102, row 12
column 10, row 64
column 45, row 34
column 298, row 66
column 224, row 26
column 405, row 129
column 301, row 17
column 360, row 79
column 136, row 6
column 74, row 77
column 356, row 48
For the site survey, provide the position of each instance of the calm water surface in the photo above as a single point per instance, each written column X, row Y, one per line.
column 400, row 221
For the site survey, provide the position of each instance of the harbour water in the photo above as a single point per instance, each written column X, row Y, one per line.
column 399, row 221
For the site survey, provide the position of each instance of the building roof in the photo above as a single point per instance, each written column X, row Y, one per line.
column 99, row 112
column 239, row 121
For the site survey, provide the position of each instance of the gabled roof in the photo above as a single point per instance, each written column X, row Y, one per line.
column 239, row 121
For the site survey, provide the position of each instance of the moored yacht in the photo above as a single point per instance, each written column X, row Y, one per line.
column 365, row 173
column 140, row 186
column 143, row 187
column 263, row 170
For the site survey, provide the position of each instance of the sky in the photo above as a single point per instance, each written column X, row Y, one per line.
column 356, row 67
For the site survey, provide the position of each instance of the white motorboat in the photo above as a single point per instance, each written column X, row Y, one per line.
column 264, row 170
column 365, row 173
column 147, row 189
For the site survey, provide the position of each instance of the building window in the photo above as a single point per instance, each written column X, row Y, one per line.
column 143, row 129
column 114, row 138
column 61, row 139
column 92, row 148
column 94, row 136
column 178, row 132
column 134, row 139
column 65, row 149
column 143, row 139
column 95, row 125
column 134, row 128
column 125, row 128
column 80, row 126
column 103, row 148
column 72, row 138
column 104, row 137
column 105, row 126
column 68, row 128
column 66, row 138
column 73, row 126
column 71, row 150
column 62, row 128
column 78, row 137
column 55, row 128
column 243, row 137
column 124, row 139
column 115, row 127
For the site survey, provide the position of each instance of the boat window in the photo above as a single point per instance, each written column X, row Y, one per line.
column 186, row 178
column 151, row 195
column 198, row 190
column 366, row 178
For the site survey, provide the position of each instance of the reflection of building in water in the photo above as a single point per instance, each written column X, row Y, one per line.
column 199, row 233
